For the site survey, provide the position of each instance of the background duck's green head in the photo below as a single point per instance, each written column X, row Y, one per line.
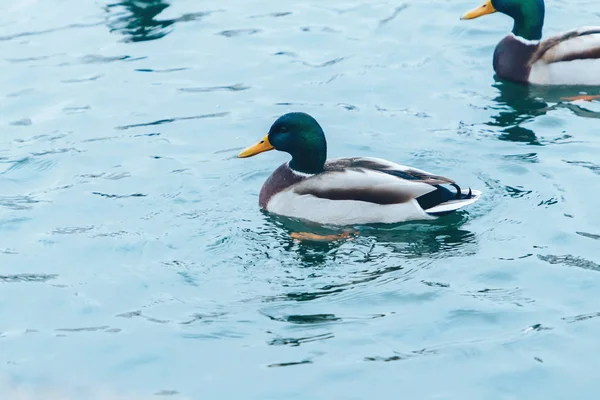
column 301, row 136
column 527, row 14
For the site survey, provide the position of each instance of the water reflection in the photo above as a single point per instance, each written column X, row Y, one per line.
column 517, row 107
column 519, row 104
column 408, row 240
column 374, row 254
column 136, row 19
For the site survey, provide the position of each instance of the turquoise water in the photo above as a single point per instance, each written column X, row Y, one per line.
column 134, row 258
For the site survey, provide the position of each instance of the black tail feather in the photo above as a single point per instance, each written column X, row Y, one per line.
column 458, row 191
column 442, row 195
column 459, row 195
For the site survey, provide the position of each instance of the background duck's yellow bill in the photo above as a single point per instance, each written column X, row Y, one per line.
column 486, row 8
column 260, row 147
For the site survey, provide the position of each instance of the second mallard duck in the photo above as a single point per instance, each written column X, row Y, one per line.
column 570, row 58
column 347, row 191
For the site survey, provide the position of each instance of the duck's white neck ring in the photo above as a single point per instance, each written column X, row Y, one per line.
column 525, row 41
column 302, row 174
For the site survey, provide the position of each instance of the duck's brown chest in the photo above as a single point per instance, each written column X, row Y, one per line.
column 512, row 59
column 282, row 178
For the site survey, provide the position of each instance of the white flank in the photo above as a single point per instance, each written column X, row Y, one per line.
column 550, row 71
column 343, row 212
column 578, row 72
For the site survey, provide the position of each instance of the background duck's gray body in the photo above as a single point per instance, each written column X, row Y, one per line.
column 571, row 58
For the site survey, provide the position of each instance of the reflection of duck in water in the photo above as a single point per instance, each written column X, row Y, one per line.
column 347, row 191
column 138, row 21
column 516, row 107
column 570, row 58
column 446, row 238
column 522, row 103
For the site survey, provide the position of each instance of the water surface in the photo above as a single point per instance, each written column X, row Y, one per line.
column 134, row 258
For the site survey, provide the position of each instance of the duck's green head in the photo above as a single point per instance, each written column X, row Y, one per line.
column 527, row 14
column 298, row 134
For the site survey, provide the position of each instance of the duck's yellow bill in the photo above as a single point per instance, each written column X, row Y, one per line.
column 260, row 147
column 486, row 8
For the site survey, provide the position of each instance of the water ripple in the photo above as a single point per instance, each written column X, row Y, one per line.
column 326, row 63
column 325, row 29
column 272, row 15
column 71, row 230
column 595, row 168
column 8, row 251
column 22, row 122
column 45, row 31
column 239, row 32
column 161, row 71
column 169, row 120
column 394, row 14
column 582, row 317
column 18, row 202
column 76, row 109
column 85, row 329
column 589, row 235
column 16, row 278
column 86, row 79
column 113, row 176
column 502, row 295
column 119, row 196
column 28, row 59
column 98, row 59
column 289, row 364
column 231, row 88
column 138, row 313
column 295, row 342
column 166, row 392
column 403, row 356
column 313, row 319
column 570, row 261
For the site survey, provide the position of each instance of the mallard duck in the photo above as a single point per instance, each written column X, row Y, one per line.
column 347, row 191
column 569, row 58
